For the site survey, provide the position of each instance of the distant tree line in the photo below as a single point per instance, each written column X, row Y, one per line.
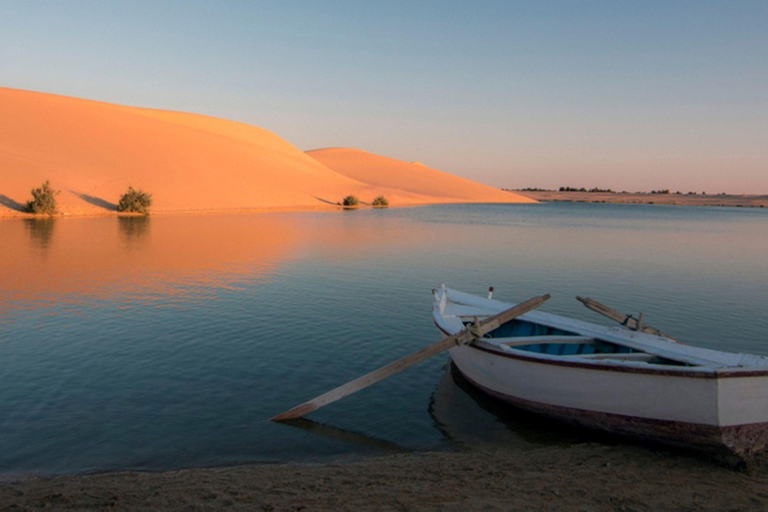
column 604, row 190
column 561, row 189
column 582, row 189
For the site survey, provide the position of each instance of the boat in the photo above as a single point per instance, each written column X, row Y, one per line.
column 615, row 379
column 470, row 419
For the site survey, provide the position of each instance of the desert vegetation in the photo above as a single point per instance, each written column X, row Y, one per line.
column 135, row 201
column 350, row 201
column 380, row 202
column 43, row 200
column 582, row 189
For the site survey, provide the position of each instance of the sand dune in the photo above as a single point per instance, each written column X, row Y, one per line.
column 411, row 179
column 92, row 151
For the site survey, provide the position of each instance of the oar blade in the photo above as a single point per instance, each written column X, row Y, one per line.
column 297, row 412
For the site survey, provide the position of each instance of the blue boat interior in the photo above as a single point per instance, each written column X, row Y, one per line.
column 520, row 328
column 523, row 329
column 573, row 349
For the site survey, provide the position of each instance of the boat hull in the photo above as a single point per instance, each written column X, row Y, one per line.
column 680, row 410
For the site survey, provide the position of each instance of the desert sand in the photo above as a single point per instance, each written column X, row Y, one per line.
column 424, row 184
column 732, row 200
column 92, row 151
column 585, row 476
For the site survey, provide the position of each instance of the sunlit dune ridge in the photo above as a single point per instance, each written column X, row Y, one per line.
column 92, row 151
column 381, row 172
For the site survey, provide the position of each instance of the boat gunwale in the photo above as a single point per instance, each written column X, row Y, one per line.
column 698, row 372
column 696, row 356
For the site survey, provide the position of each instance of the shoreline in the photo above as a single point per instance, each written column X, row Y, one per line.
column 590, row 475
column 718, row 200
column 328, row 207
column 543, row 196
column 223, row 211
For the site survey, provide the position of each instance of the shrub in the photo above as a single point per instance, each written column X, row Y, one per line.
column 43, row 200
column 350, row 201
column 136, row 201
column 381, row 202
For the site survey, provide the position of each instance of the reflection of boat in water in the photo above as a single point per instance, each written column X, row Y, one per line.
column 470, row 418
column 611, row 378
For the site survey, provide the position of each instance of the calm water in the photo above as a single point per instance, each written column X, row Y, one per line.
column 168, row 342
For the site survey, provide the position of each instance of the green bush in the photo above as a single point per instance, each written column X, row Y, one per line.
column 136, row 201
column 43, row 200
column 381, row 202
column 350, row 201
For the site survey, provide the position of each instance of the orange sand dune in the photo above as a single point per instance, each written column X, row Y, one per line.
column 92, row 151
column 410, row 179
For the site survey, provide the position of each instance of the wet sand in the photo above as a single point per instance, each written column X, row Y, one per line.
column 586, row 476
column 733, row 200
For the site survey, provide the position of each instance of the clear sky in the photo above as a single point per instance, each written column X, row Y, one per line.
column 628, row 95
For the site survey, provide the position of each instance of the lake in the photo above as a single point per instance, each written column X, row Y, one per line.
column 167, row 342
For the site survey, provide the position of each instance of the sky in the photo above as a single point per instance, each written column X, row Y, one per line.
column 628, row 95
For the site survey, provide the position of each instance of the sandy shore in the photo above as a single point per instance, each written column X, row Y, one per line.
column 737, row 201
column 586, row 476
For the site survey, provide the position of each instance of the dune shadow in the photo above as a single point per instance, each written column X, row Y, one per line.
column 334, row 203
column 10, row 203
column 96, row 201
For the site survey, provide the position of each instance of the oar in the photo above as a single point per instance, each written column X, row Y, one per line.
column 465, row 336
column 636, row 324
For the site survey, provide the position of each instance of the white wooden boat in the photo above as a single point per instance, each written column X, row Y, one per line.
column 612, row 378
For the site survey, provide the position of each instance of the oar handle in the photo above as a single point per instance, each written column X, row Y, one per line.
column 636, row 324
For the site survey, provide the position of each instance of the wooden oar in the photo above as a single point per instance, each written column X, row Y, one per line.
column 636, row 324
column 463, row 337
